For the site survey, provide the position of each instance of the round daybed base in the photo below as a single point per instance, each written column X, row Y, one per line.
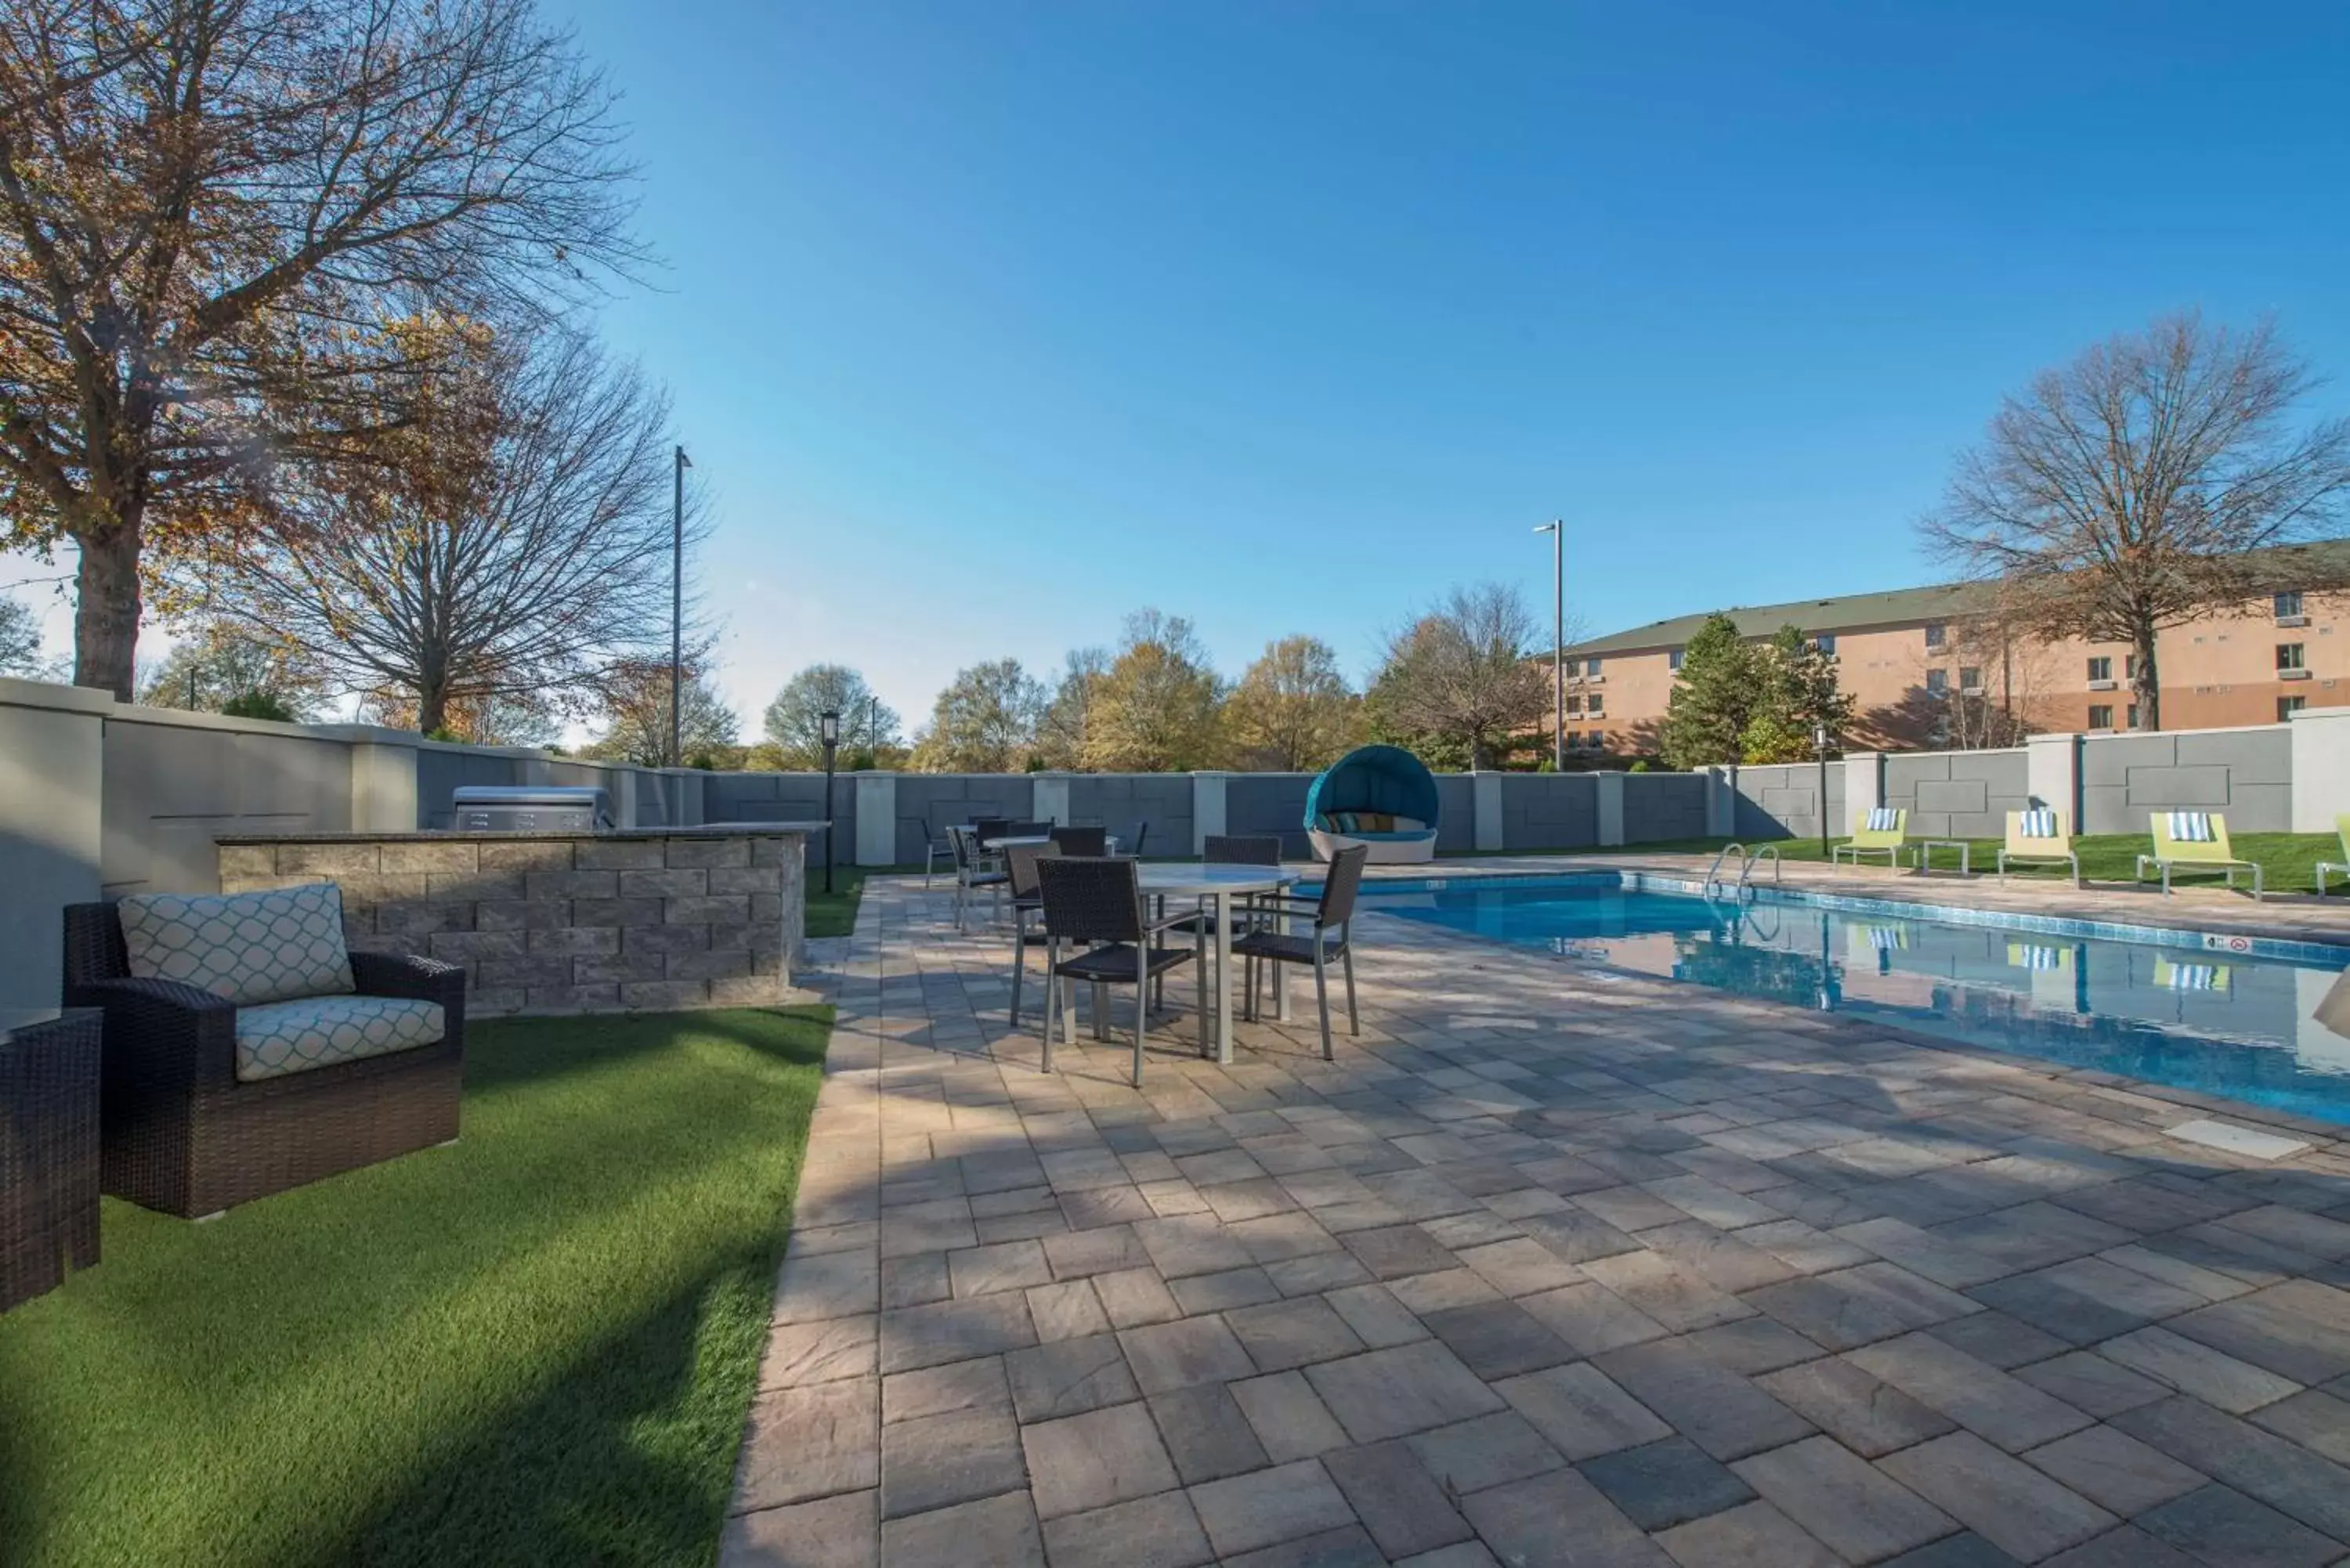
column 1387, row 849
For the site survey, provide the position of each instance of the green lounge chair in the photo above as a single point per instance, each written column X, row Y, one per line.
column 2338, row 867
column 1884, row 831
column 2195, row 841
column 2038, row 838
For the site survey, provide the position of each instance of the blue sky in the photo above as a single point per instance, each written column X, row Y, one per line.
column 988, row 323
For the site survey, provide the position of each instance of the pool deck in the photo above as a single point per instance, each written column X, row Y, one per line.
column 1548, row 1267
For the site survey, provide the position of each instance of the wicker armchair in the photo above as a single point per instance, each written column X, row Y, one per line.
column 181, row 1133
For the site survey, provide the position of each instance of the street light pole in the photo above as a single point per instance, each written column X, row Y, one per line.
column 1556, row 529
column 1820, row 745
column 677, row 607
column 828, row 732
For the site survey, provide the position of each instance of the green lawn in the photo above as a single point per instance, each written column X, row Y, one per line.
column 2286, row 859
column 834, row 914
column 536, row 1347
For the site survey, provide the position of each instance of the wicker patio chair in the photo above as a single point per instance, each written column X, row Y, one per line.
column 1097, row 904
column 1090, row 842
column 182, row 1131
column 1019, row 869
column 1326, row 942
column 973, row 870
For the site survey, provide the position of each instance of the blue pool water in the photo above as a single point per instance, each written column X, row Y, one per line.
column 2249, row 1028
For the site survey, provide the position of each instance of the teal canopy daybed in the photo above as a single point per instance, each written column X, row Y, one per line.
column 1378, row 797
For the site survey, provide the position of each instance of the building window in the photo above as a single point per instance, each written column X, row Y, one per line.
column 1673, row 660
column 2287, row 605
column 1826, row 643
column 2101, row 716
column 1598, row 705
column 1934, row 636
column 2288, row 706
column 1937, row 681
column 1575, row 704
column 1591, row 668
column 1970, row 677
column 2132, row 719
column 2288, row 655
column 2101, row 668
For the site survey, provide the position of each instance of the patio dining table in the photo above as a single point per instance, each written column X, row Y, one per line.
column 1224, row 886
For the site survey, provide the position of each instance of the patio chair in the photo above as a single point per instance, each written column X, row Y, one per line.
column 1020, row 862
column 2338, row 867
column 1092, row 843
column 972, row 870
column 1232, row 849
column 1026, row 830
column 1884, row 831
column 2195, row 841
column 1141, row 832
column 2038, row 838
column 934, row 851
column 1097, row 904
column 249, row 1051
column 1325, row 943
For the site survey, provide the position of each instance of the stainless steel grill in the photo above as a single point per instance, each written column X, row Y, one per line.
column 531, row 808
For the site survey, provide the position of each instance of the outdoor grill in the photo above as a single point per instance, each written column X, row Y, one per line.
column 530, row 808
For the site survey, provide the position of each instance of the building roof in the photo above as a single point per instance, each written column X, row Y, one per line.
column 2325, row 562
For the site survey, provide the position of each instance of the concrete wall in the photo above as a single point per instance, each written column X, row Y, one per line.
column 1783, row 801
column 1549, row 810
column 1269, row 802
column 2248, row 774
column 1958, row 795
column 1659, row 806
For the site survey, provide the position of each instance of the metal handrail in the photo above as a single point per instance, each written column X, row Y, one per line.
column 1713, row 872
column 1777, row 878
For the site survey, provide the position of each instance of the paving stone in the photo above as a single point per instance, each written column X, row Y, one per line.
column 1283, row 1335
column 1752, row 1344
column 2014, row 1506
column 1447, row 1288
column 1803, row 1249
column 2056, row 1309
column 1485, row 1450
column 1747, row 1537
column 2318, row 1422
column 1859, row 1410
column 1593, row 1318
column 1678, row 1297
column 2115, row 1470
column 1663, row 1484
column 1187, row 1244
column 1132, row 1297
column 2224, row 1527
column 1964, row 1549
column 1582, row 1412
column 1092, row 1460
column 915, row 1281
column 1348, row 1547
column 1317, row 1273
column 805, row 1443
column 838, row 1532
column 1998, row 1340
column 1726, row 1416
column 1405, row 1510
column 2089, row 1382
column 2032, row 1235
column 1269, row 1506
column 1394, row 1251
column 1006, row 1266
column 994, row 1530
column 1630, row 1208
column 821, row 1351
column 954, row 1330
column 1842, row 1500
column 1218, row 1293
column 976, row 1383
column 1521, row 1266
column 2282, row 1474
column 1721, row 1260
column 1276, row 1238
column 1206, row 1433
column 2128, row 1547
column 1177, row 1355
column 939, row 1460
column 2299, row 1330
column 1853, row 1307
column 828, row 1284
column 2006, row 1410
column 1069, row 1378
column 1288, row 1417
column 1467, row 1555
column 1497, row 1339
column 1944, row 1259
column 1158, row 1532
column 1558, row 1520
column 1407, row 1389
column 1068, row 1311
column 1377, row 1319
column 1576, row 1236
column 2211, row 1375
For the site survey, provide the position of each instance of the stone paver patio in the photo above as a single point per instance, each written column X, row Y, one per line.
column 1546, row 1268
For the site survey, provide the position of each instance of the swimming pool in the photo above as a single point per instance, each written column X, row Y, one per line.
column 2265, row 1022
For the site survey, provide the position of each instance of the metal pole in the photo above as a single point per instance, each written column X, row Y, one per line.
column 677, row 607
column 1820, row 744
column 1556, row 529
column 828, row 815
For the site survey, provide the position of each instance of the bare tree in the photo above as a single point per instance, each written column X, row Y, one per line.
column 521, row 550
column 1457, row 683
column 2126, row 491
column 1067, row 718
column 635, row 710
column 205, row 207
column 793, row 721
column 984, row 722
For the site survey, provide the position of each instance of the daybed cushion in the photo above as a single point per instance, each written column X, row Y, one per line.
column 245, row 947
column 280, row 1037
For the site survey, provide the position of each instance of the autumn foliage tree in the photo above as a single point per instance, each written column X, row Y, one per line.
column 207, row 207
column 1293, row 709
column 1155, row 708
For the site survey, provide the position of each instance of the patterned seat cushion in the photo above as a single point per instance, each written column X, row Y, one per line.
column 246, row 948
column 280, row 1037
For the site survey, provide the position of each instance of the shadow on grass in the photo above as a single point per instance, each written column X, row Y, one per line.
column 532, row 1050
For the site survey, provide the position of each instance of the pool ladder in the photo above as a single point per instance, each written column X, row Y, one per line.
column 1747, row 860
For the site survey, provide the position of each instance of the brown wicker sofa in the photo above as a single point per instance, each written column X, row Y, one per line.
column 182, row 1132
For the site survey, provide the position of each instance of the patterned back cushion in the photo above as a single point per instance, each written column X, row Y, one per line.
column 1884, row 818
column 247, row 947
column 2039, row 824
column 2191, row 827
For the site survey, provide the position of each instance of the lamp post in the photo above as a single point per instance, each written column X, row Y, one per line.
column 677, row 607
column 828, row 732
column 1556, row 529
column 1820, row 745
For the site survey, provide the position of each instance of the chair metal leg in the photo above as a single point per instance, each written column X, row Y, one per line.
column 1100, row 1000
column 1141, row 1008
column 1019, row 971
column 1322, row 997
column 1052, row 997
column 1346, row 962
column 1200, row 985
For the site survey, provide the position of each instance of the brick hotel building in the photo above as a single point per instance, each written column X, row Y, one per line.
column 1904, row 654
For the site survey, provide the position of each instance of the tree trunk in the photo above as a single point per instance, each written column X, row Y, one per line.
column 106, row 608
column 2147, row 684
column 432, row 707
